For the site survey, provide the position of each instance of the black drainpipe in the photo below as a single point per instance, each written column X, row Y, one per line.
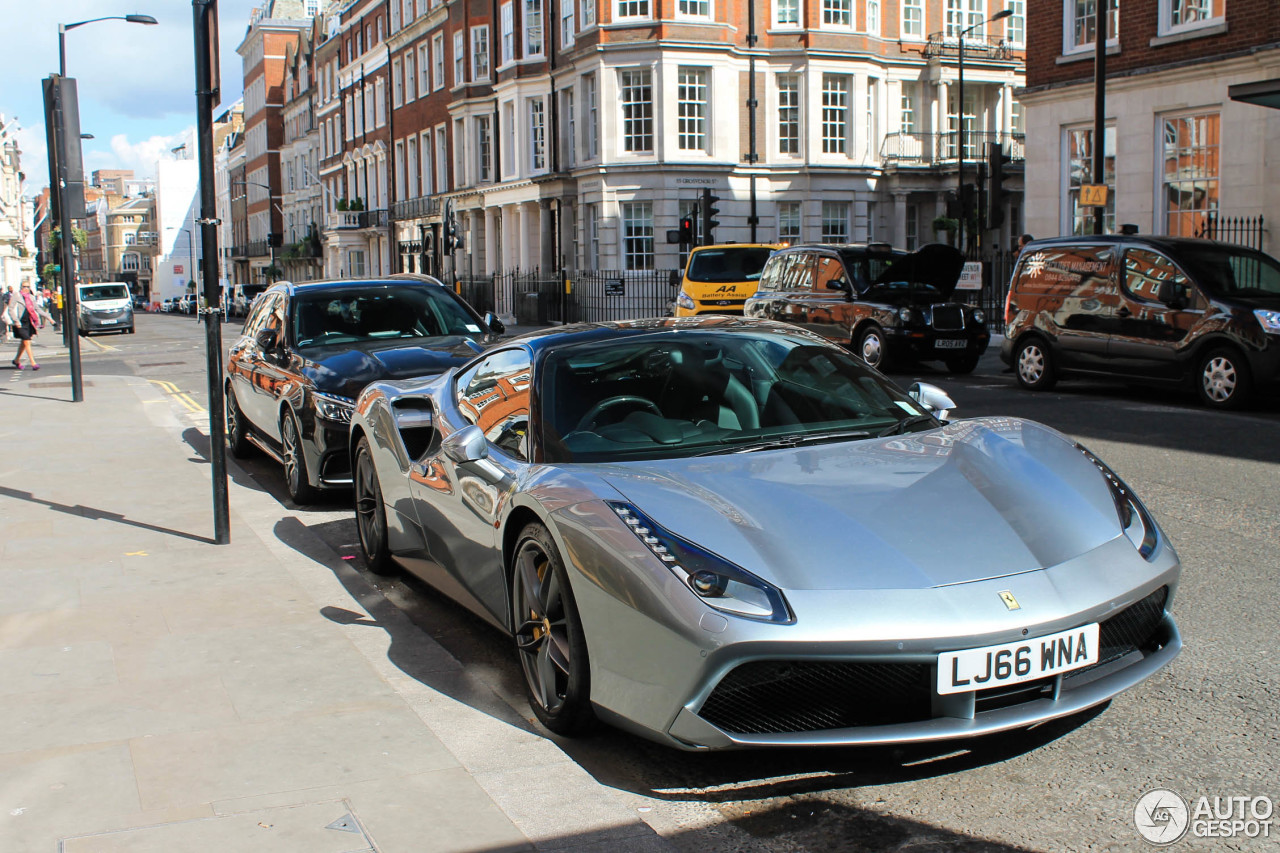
column 752, row 156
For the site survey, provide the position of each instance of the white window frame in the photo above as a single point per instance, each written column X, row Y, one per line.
column 835, row 213
column 1067, row 212
column 569, row 100
column 442, row 158
column 873, row 19
column 536, row 117
column 480, row 58
column 568, row 22
column 437, row 62
column 397, row 83
column 459, row 58
column 1215, row 18
column 410, row 77
column 788, row 14
column 638, row 128
column 424, row 70
column 534, row 41
column 837, row 15
column 790, row 213
column 484, row 149
column 633, row 10
column 832, row 144
column 1015, row 26
column 1070, row 45
column 694, row 9
column 507, row 15
column 591, row 94
column 909, row 106
column 635, row 222
column 789, row 127
column 1200, row 177
column 916, row 6
column 693, row 107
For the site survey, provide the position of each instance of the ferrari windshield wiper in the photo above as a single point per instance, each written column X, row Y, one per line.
column 906, row 423
column 749, row 444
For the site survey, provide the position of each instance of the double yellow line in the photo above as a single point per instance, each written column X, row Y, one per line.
column 181, row 396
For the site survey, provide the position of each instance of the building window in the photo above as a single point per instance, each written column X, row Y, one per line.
column 1190, row 171
column 970, row 124
column 954, row 18
column 437, row 61
column 411, row 170
column 588, row 13
column 593, row 116
column 1182, row 15
column 410, row 78
column 567, row 27
column 913, row 19
column 1015, row 26
column 537, row 134
column 428, row 163
column 508, row 34
column 696, row 8
column 913, row 227
column 442, row 159
column 873, row 92
column 533, row 27
column 1080, row 171
column 835, row 113
column 789, row 113
column 909, row 105
column 459, row 58
column 637, row 235
column 789, row 221
column 835, row 222
column 1017, row 118
column 397, row 83
column 786, row 13
column 592, row 225
column 129, row 262
column 480, row 53
column 837, row 13
column 571, row 128
column 691, row 94
column 130, row 239
column 633, row 8
column 637, row 110
column 355, row 263
column 1082, row 24
column 873, row 17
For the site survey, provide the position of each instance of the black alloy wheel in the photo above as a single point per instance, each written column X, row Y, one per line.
column 1033, row 366
column 237, row 428
column 1223, row 380
column 295, row 462
column 371, row 514
column 548, row 634
column 872, row 348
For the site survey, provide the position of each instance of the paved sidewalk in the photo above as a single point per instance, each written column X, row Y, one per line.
column 161, row 693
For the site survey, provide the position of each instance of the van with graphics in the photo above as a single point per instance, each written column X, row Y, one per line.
column 105, row 307
column 719, row 278
column 1174, row 311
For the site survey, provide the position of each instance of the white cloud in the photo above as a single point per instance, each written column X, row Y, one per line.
column 143, row 155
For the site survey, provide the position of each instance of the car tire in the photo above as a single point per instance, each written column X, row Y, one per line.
column 237, row 428
column 1223, row 380
column 296, row 480
column 549, row 641
column 371, row 513
column 1033, row 366
column 962, row 364
column 872, row 347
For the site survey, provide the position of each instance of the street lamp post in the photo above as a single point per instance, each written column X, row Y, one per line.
column 63, row 28
column 960, row 142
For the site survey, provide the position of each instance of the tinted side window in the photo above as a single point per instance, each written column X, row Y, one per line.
column 259, row 314
column 798, row 274
column 828, row 271
column 1145, row 270
column 772, row 272
column 493, row 394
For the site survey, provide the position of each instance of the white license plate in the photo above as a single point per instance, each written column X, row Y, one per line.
column 950, row 343
column 117, row 320
column 1013, row 663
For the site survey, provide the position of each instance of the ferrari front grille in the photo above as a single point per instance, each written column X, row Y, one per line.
column 772, row 697
column 948, row 318
column 1132, row 628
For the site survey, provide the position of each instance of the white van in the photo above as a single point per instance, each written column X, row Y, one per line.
column 105, row 307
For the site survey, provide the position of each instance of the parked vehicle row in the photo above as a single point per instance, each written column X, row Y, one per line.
column 706, row 529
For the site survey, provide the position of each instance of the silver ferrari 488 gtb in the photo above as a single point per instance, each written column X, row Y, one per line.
column 721, row 532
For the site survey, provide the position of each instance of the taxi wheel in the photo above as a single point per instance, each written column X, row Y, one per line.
column 872, row 348
column 1223, row 380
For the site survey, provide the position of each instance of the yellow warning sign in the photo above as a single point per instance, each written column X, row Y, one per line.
column 1093, row 195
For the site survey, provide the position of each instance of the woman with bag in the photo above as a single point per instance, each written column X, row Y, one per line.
column 25, row 319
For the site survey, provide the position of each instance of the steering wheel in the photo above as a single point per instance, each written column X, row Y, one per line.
column 589, row 419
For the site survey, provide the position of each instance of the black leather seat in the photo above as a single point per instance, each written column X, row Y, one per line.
column 699, row 391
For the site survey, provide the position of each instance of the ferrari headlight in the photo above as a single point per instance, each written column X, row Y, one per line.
column 1270, row 320
column 712, row 578
column 1137, row 523
column 331, row 407
column 684, row 300
column 979, row 316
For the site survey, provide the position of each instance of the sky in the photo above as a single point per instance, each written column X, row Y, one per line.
column 136, row 83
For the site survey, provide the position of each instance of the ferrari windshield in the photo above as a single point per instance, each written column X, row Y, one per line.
column 687, row 393
column 346, row 315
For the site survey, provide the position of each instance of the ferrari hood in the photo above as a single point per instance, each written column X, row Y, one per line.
column 975, row 500
column 346, row 370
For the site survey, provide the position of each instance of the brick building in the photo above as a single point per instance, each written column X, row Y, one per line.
column 1179, row 150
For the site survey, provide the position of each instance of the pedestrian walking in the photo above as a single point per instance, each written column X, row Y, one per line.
column 5, row 299
column 25, row 319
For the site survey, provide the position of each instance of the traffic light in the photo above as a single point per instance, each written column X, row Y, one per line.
column 686, row 229
column 452, row 235
column 709, row 210
column 996, row 193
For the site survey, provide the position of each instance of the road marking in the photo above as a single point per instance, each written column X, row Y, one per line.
column 181, row 396
column 101, row 347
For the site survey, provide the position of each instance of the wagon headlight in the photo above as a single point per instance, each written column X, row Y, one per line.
column 684, row 300
column 712, row 578
column 1137, row 523
column 331, row 407
column 979, row 316
column 1270, row 320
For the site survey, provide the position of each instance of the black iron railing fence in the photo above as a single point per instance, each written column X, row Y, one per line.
column 1241, row 230
column 537, row 298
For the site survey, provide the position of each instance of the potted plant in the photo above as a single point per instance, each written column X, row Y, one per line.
column 948, row 225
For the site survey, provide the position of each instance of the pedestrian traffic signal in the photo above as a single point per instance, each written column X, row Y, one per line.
column 709, row 210
column 996, row 193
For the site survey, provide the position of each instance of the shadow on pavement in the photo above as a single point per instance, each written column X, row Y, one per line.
column 98, row 514
column 199, row 442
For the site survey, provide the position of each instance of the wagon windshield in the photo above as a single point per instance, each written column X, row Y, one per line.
column 688, row 393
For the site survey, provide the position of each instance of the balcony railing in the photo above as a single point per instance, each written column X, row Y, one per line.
column 257, row 249
column 411, row 208
column 349, row 219
column 929, row 149
column 975, row 47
